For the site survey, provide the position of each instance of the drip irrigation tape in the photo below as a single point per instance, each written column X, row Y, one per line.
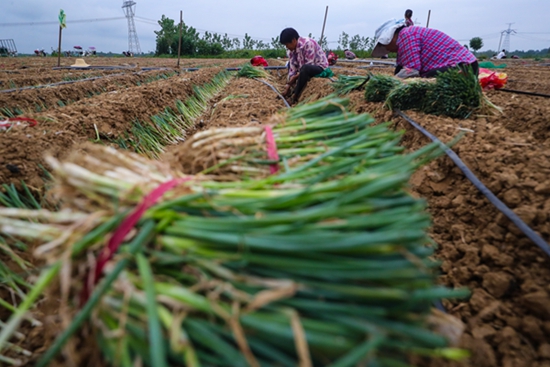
column 98, row 67
column 143, row 70
column 368, row 61
column 275, row 90
column 59, row 83
column 532, row 235
column 375, row 66
column 155, row 68
column 526, row 93
column 237, row 69
column 265, row 68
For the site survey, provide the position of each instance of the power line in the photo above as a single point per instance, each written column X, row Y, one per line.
column 530, row 38
column 145, row 21
column 149, row 21
column 57, row 22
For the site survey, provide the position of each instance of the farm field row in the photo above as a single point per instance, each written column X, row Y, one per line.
column 507, row 318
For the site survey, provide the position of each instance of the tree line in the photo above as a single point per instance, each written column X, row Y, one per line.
column 193, row 43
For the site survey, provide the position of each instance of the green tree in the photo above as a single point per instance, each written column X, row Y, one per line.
column 206, row 48
column 168, row 36
column 476, row 43
column 355, row 43
column 226, row 42
column 248, row 42
column 343, row 41
column 236, row 43
column 216, row 38
column 276, row 44
column 323, row 43
column 367, row 44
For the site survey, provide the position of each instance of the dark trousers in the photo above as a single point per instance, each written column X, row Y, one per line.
column 306, row 73
column 463, row 66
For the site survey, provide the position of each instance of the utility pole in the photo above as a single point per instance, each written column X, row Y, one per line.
column 179, row 38
column 428, row 22
column 62, row 24
column 323, row 31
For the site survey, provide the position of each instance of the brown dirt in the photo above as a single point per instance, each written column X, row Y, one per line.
column 62, row 127
column 34, row 77
column 508, row 315
column 37, row 100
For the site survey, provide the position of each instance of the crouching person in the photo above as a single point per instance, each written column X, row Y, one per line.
column 421, row 51
column 306, row 60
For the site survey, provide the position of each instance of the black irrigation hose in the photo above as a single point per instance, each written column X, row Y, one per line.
column 532, row 235
column 73, row 81
column 237, row 69
column 93, row 67
column 265, row 68
column 526, row 93
column 59, row 83
column 375, row 66
column 275, row 90
column 369, row 61
column 155, row 68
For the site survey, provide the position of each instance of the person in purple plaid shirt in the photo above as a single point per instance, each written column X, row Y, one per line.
column 421, row 51
column 306, row 60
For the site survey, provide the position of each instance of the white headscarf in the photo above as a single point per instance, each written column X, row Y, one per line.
column 384, row 35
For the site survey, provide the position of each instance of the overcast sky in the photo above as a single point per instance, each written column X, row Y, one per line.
column 461, row 19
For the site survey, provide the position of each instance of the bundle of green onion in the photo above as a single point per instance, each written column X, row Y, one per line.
column 267, row 272
column 410, row 95
column 321, row 130
column 169, row 126
column 379, row 86
column 345, row 84
column 456, row 93
column 15, row 287
column 14, row 271
column 249, row 71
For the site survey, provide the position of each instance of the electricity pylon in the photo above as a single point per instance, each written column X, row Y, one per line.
column 129, row 8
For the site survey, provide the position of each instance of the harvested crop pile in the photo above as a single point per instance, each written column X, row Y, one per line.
column 272, row 272
column 455, row 93
column 302, row 133
column 379, row 86
column 409, row 96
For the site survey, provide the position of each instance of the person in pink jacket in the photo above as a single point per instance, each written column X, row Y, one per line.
column 306, row 60
column 349, row 55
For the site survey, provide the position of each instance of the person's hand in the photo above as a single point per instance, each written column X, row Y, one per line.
column 286, row 91
column 407, row 73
